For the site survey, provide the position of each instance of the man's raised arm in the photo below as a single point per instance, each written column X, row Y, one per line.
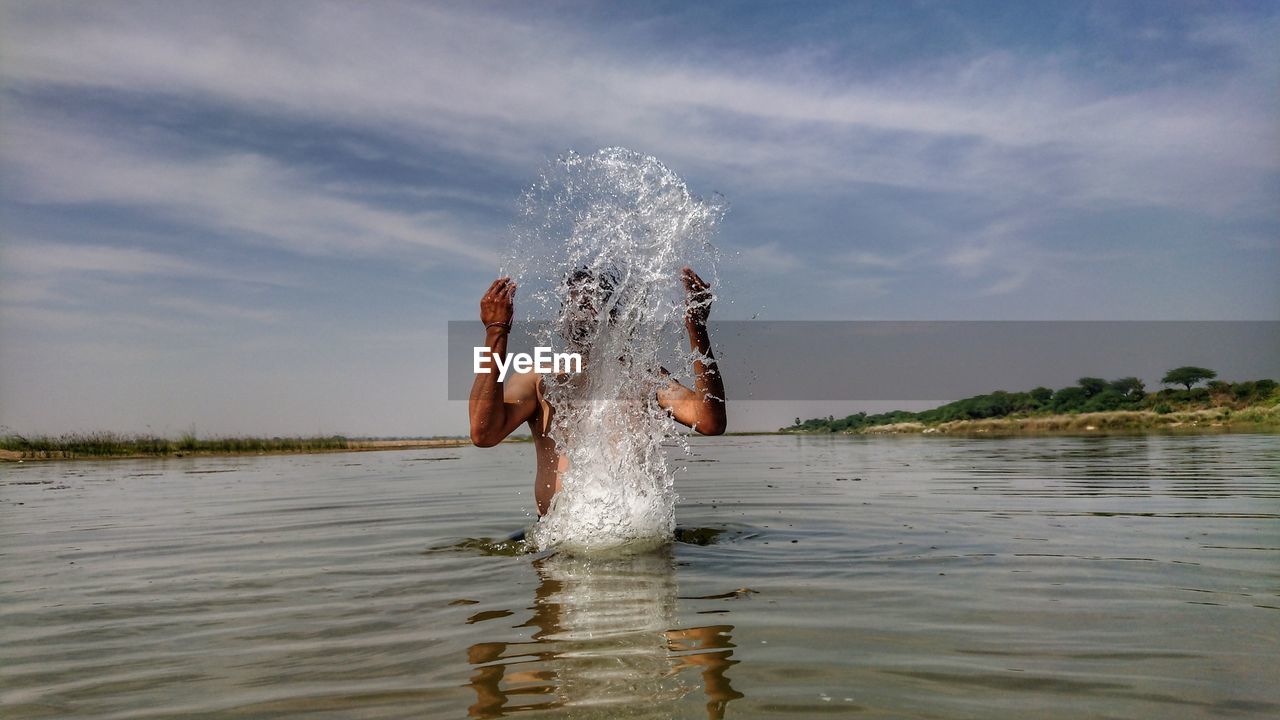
column 497, row 411
column 703, row 407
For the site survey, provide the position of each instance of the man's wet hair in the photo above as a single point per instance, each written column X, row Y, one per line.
column 608, row 278
column 602, row 282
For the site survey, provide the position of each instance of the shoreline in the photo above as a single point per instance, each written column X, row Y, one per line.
column 1115, row 422
column 15, row 456
column 1120, row 422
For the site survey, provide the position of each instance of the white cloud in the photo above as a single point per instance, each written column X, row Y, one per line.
column 1001, row 249
column 124, row 326
column 857, row 285
column 1009, row 133
column 27, row 258
column 64, row 286
column 507, row 91
column 217, row 310
column 244, row 194
column 36, row 265
column 863, row 258
column 768, row 258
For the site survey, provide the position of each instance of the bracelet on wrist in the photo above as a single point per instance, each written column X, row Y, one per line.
column 498, row 323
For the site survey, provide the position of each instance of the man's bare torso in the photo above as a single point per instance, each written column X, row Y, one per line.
column 497, row 408
column 550, row 463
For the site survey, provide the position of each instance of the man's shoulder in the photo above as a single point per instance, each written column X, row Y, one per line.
column 522, row 383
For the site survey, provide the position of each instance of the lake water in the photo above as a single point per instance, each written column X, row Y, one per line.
column 900, row 577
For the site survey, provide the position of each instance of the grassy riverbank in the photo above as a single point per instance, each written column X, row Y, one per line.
column 118, row 445
column 1209, row 420
column 1093, row 405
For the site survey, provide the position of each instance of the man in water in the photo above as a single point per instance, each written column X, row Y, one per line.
column 498, row 408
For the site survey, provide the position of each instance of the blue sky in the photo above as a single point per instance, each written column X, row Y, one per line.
column 257, row 218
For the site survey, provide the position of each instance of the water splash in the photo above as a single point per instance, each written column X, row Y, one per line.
column 597, row 253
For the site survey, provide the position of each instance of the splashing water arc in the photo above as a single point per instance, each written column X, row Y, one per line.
column 597, row 253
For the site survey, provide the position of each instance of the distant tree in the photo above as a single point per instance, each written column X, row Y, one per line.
column 1092, row 385
column 1188, row 376
column 1243, row 390
column 1041, row 395
column 1105, row 401
column 1069, row 399
column 1264, row 387
column 1130, row 387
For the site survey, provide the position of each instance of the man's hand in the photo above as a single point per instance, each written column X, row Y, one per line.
column 698, row 298
column 702, row 407
column 497, row 409
column 498, row 304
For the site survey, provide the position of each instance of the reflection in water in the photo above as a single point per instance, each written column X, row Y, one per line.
column 602, row 645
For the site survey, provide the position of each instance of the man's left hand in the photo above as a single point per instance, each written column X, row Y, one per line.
column 698, row 298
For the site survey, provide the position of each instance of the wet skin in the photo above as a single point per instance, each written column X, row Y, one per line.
column 498, row 408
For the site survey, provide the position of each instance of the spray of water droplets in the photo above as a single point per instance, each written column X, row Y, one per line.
column 597, row 253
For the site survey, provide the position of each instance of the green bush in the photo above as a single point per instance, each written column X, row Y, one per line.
column 1088, row 395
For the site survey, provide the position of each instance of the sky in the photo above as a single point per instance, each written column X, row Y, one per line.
column 258, row 218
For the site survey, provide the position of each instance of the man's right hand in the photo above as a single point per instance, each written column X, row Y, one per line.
column 496, row 409
column 498, row 304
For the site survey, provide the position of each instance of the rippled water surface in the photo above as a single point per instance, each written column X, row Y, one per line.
column 1128, row 577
